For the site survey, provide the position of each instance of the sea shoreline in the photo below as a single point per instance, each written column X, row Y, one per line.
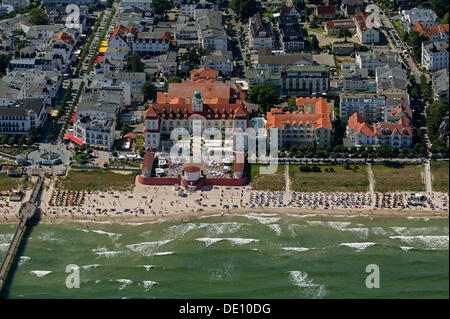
column 135, row 218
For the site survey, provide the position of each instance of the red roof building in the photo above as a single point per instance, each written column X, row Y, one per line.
column 326, row 11
column 204, row 73
column 310, row 124
column 397, row 134
column 212, row 104
column 435, row 33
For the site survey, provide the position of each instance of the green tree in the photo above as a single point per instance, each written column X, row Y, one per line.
column 134, row 63
column 173, row 79
column 292, row 103
column 244, row 8
column 161, row 6
column 299, row 4
column 314, row 43
column 444, row 19
column 38, row 16
column 265, row 94
column 415, row 40
column 344, row 33
column 440, row 7
column 149, row 91
column 4, row 61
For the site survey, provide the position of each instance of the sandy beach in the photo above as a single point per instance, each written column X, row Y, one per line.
column 147, row 204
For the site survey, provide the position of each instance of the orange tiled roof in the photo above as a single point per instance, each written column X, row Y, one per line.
column 361, row 21
column 399, row 109
column 359, row 125
column 67, row 38
column 203, row 73
column 121, row 31
column 320, row 118
column 429, row 31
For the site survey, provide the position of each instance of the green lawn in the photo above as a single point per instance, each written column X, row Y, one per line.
column 96, row 179
column 272, row 182
column 396, row 179
column 439, row 176
column 9, row 183
column 341, row 180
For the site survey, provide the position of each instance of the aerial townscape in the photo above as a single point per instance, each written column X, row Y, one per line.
column 158, row 113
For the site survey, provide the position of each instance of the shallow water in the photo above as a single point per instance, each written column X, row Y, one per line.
column 246, row 256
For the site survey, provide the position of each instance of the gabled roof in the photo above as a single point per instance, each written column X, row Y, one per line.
column 122, row 32
column 430, row 30
column 326, row 9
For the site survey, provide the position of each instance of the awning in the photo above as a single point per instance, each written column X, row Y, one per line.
column 70, row 136
column 73, row 116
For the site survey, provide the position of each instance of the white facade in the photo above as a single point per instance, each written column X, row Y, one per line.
column 141, row 4
column 19, row 118
column 370, row 106
column 435, row 56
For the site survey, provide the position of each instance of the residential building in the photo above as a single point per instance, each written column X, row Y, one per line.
column 326, row 11
column 256, row 76
column 435, row 33
column 394, row 99
column 391, row 79
column 211, row 30
column 370, row 106
column 343, row 48
column 434, row 55
column 366, row 34
column 187, row 7
column 208, row 104
column 15, row 4
column 152, row 42
column 219, row 60
column 22, row 116
column 141, row 4
column 353, row 78
column 274, row 62
column 440, row 85
column 95, row 119
column 376, row 58
column 204, row 74
column 122, row 37
column 393, row 134
column 333, row 26
column 260, row 32
column 426, row 17
column 352, row 8
column 304, row 79
column 309, row 125
column 397, row 113
column 67, row 2
column 290, row 11
column 291, row 34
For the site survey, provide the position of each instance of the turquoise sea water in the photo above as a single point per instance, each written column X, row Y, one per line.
column 242, row 256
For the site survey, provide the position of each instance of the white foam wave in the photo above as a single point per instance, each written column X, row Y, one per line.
column 311, row 289
column 23, row 260
column 148, row 284
column 147, row 248
column 358, row 246
column 6, row 237
column 148, row 267
column 296, row 248
column 87, row 267
column 48, row 235
column 262, row 220
column 84, row 221
column 163, row 253
column 4, row 247
column 334, row 225
column 306, row 215
column 113, row 236
column 40, row 273
column 418, row 218
column 378, row 231
column 426, row 242
column 108, row 254
column 235, row 241
column 125, row 283
column 406, row 248
column 276, row 228
column 410, row 231
column 363, row 232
